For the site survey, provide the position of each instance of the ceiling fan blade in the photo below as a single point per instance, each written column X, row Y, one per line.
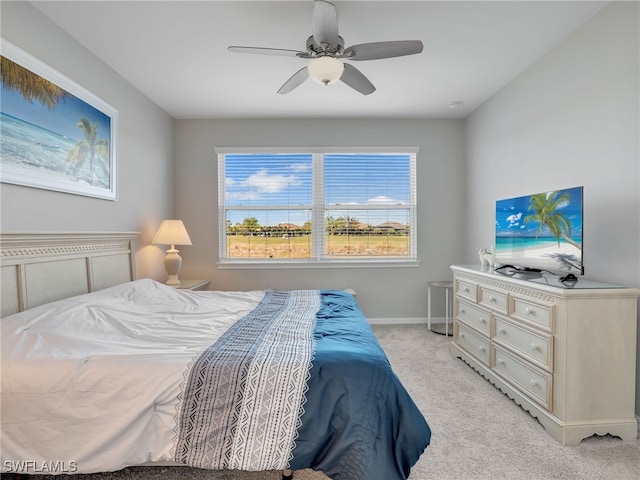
column 324, row 23
column 295, row 81
column 356, row 80
column 268, row 51
column 377, row 50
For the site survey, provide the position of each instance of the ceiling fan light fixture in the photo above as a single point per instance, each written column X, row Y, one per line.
column 325, row 70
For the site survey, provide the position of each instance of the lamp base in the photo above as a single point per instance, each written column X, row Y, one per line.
column 172, row 264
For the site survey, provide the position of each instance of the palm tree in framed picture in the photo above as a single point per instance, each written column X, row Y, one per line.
column 90, row 148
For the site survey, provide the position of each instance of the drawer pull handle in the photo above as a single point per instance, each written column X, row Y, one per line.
column 501, row 361
column 492, row 299
column 535, row 347
column 529, row 311
column 534, row 382
column 483, row 320
column 481, row 348
column 501, row 330
column 461, row 335
column 462, row 311
column 466, row 289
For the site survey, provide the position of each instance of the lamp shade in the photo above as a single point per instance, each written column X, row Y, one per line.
column 172, row 232
column 325, row 70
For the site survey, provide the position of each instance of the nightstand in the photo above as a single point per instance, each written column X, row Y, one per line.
column 193, row 284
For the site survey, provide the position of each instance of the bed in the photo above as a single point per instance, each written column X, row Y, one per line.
column 255, row 380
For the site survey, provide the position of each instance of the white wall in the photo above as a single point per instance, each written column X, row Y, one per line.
column 145, row 148
column 571, row 119
column 382, row 292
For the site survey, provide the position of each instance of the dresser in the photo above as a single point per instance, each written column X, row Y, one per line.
column 566, row 352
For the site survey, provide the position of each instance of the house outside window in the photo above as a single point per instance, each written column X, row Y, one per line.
column 323, row 207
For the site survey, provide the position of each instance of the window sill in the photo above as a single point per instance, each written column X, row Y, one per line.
column 277, row 264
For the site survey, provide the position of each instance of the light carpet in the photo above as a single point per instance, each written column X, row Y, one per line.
column 478, row 433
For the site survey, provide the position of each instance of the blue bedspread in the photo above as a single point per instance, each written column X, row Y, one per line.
column 359, row 422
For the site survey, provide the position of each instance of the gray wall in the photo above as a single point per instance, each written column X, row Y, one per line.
column 571, row 119
column 388, row 293
column 145, row 148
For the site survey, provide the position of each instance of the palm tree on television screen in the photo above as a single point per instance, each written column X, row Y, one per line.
column 546, row 206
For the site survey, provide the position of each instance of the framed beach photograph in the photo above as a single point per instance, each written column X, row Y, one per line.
column 54, row 134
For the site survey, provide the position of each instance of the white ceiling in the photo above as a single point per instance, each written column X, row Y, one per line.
column 175, row 52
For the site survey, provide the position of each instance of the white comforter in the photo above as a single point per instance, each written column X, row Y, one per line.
column 48, row 407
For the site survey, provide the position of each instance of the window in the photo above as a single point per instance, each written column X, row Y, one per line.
column 319, row 207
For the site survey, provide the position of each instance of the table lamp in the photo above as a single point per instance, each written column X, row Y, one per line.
column 172, row 232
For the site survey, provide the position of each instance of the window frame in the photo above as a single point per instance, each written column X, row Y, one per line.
column 318, row 209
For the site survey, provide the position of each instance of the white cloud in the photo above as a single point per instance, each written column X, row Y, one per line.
column 243, row 196
column 384, row 200
column 263, row 182
column 514, row 220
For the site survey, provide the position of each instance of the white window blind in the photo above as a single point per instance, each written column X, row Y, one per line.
column 320, row 207
column 369, row 202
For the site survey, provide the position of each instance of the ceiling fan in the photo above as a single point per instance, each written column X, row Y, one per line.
column 325, row 49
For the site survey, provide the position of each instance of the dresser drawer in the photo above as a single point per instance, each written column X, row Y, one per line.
column 474, row 316
column 535, row 383
column 473, row 343
column 534, row 313
column 467, row 290
column 536, row 347
column 493, row 299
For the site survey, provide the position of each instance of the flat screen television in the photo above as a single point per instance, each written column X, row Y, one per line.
column 541, row 232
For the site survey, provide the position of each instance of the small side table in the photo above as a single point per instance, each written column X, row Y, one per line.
column 448, row 286
column 193, row 284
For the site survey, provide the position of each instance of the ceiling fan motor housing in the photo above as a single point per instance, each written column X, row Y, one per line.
column 332, row 50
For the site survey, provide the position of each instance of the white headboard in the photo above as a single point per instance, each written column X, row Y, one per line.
column 38, row 268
